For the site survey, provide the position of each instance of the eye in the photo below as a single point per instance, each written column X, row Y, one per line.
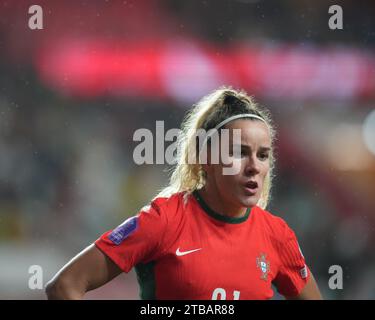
column 244, row 152
column 263, row 156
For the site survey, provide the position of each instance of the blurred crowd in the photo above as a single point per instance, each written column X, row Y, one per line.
column 66, row 163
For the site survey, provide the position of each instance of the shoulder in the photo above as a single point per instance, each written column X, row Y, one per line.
column 170, row 203
column 274, row 225
column 169, row 212
column 168, row 207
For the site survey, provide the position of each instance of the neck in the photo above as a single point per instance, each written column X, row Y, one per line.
column 217, row 203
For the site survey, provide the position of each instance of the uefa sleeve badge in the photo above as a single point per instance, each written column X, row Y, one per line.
column 124, row 230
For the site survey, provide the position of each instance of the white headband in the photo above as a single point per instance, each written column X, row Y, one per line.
column 239, row 116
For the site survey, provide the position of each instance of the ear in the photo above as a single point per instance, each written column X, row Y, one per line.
column 206, row 168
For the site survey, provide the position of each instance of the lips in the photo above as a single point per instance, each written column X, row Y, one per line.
column 251, row 187
column 252, row 184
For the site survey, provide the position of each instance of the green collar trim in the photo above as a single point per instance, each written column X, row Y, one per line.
column 217, row 216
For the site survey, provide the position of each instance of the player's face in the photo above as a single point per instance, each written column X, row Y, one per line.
column 251, row 164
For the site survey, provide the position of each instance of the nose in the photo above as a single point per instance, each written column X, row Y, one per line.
column 252, row 166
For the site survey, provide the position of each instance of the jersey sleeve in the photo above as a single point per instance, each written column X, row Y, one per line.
column 137, row 240
column 293, row 272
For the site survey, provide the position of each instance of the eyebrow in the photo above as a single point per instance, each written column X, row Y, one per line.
column 261, row 148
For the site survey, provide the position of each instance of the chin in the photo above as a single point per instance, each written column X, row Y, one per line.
column 249, row 202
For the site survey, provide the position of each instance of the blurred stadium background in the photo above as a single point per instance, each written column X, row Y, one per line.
column 72, row 95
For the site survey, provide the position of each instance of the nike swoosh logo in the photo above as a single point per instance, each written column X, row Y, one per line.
column 179, row 253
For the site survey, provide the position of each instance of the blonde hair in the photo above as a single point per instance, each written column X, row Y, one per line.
column 208, row 112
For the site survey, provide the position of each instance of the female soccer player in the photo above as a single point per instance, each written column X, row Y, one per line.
column 207, row 235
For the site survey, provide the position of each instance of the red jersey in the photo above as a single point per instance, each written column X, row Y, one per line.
column 182, row 249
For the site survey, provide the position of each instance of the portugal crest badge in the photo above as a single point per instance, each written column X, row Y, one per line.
column 263, row 265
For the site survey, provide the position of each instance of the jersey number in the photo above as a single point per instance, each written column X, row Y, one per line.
column 223, row 295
